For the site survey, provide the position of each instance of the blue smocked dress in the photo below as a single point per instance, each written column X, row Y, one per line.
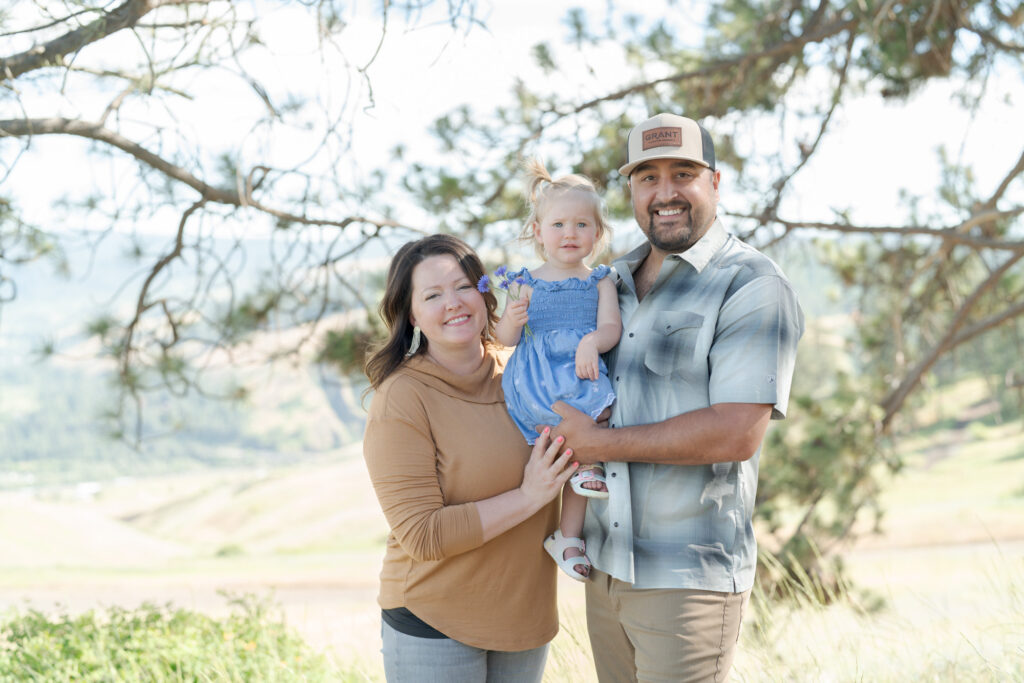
column 542, row 369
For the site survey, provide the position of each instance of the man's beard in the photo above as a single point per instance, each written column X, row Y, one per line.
column 680, row 240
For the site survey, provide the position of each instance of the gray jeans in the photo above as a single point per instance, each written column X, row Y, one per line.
column 408, row 659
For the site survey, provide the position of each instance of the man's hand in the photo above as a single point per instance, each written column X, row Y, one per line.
column 583, row 435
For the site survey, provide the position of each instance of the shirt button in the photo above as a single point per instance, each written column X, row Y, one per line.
column 630, row 334
column 615, row 524
column 616, row 378
column 615, row 474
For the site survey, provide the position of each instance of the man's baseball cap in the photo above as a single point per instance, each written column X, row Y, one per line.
column 667, row 136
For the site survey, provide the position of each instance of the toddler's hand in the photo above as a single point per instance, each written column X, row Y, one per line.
column 587, row 359
column 515, row 311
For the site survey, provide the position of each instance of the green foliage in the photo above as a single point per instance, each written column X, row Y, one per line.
column 822, row 472
column 44, row 349
column 911, row 302
column 227, row 169
column 102, row 327
column 253, row 311
column 347, row 348
column 171, row 367
column 542, row 56
column 230, row 550
column 914, row 42
column 154, row 643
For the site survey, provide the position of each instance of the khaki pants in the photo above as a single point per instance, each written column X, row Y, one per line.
column 661, row 634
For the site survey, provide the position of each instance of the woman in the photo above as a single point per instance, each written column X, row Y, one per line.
column 467, row 593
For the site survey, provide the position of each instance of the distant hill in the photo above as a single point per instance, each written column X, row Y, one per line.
column 325, row 504
column 52, row 428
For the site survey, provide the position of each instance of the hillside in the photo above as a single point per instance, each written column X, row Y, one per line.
column 324, row 505
column 53, row 430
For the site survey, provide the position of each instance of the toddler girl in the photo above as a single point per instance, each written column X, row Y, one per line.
column 572, row 313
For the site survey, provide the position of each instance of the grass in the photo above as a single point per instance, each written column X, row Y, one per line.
column 939, row 596
column 155, row 644
column 902, row 636
column 849, row 634
column 968, row 493
column 803, row 638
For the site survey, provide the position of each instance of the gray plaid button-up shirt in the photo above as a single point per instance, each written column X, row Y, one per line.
column 720, row 325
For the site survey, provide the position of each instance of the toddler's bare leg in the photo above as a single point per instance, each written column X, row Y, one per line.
column 574, row 509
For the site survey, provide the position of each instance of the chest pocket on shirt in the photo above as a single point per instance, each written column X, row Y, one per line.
column 673, row 341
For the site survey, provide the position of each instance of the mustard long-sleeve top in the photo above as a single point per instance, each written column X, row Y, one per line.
column 435, row 443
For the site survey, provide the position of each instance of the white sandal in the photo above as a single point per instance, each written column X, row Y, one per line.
column 556, row 544
column 589, row 473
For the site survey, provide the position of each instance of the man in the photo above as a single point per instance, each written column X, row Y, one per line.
column 710, row 329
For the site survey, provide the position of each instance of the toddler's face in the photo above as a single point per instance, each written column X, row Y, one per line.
column 567, row 229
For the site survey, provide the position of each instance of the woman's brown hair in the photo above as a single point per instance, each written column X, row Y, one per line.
column 396, row 304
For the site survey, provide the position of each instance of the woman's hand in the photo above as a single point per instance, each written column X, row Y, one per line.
column 546, row 471
column 543, row 478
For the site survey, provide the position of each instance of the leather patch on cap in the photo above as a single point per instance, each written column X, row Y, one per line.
column 666, row 136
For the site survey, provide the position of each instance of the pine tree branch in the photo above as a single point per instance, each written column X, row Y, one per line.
column 991, row 39
column 986, row 324
column 953, row 235
column 955, row 335
column 95, row 131
column 1010, row 177
column 53, row 52
column 127, row 352
column 807, row 151
column 778, row 53
column 98, row 133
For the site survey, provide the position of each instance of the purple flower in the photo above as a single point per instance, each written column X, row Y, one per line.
column 503, row 279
